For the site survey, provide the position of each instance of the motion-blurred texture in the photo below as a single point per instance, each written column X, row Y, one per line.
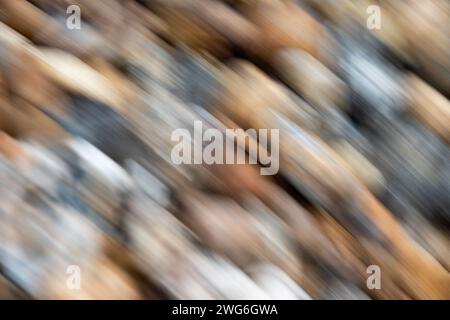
column 86, row 178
